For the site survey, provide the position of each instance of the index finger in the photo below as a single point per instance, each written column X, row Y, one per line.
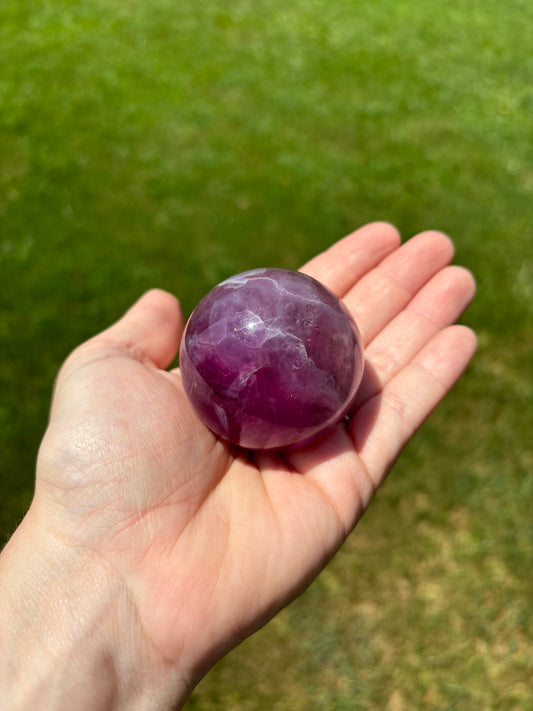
column 346, row 261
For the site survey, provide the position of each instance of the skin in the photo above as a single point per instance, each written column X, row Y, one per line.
column 151, row 548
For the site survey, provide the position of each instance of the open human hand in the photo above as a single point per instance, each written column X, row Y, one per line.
column 201, row 542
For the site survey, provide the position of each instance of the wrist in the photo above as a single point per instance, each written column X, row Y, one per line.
column 69, row 634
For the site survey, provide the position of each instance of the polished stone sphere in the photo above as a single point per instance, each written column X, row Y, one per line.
column 271, row 359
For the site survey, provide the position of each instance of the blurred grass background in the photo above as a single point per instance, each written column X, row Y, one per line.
column 172, row 144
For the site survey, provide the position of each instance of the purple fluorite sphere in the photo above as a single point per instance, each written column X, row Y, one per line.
column 270, row 359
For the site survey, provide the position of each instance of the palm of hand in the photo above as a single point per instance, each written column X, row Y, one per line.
column 189, row 522
column 192, row 524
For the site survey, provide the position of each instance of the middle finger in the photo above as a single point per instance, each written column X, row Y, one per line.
column 387, row 289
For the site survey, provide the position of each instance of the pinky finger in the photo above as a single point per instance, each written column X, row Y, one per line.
column 384, row 424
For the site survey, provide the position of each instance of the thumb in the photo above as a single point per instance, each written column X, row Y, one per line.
column 150, row 330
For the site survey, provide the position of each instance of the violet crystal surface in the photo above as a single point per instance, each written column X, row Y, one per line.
column 270, row 358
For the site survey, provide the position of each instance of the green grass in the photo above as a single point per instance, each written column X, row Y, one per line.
column 172, row 144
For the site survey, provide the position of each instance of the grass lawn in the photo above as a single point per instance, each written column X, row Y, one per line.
column 174, row 143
